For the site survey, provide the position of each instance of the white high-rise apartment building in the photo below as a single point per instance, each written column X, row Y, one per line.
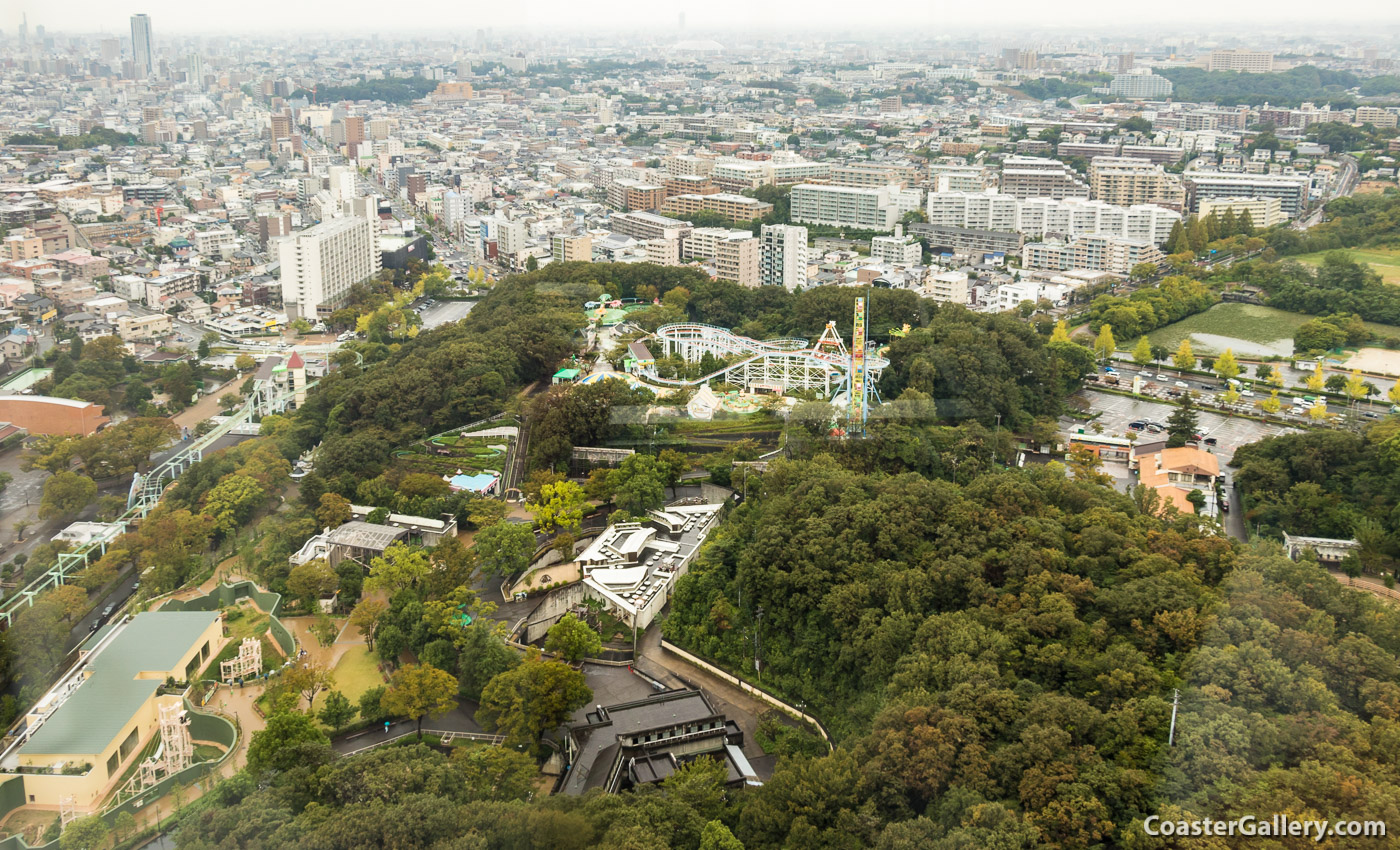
column 783, row 256
column 1248, row 61
column 1140, row 84
column 847, row 206
column 194, row 68
column 321, row 263
column 142, row 50
column 1042, row 217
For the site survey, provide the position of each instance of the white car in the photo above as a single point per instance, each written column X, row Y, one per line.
column 1163, row 378
column 1183, row 385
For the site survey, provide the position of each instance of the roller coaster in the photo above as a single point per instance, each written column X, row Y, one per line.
column 772, row 365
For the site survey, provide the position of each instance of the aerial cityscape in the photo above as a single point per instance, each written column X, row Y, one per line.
column 699, row 427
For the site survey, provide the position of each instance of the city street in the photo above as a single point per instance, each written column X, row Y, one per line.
column 445, row 312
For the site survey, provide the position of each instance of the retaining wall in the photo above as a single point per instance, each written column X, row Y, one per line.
column 226, row 595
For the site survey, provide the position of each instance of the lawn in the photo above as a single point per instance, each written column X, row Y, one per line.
column 1248, row 329
column 1385, row 261
column 357, row 672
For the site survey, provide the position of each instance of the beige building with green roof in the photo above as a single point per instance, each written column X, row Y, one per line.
column 111, row 715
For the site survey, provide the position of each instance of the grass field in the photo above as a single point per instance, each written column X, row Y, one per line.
column 1248, row 329
column 1385, row 261
column 357, row 672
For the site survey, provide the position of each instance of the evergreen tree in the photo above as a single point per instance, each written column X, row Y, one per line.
column 1177, row 240
column 1245, row 225
column 1181, row 425
column 1228, row 225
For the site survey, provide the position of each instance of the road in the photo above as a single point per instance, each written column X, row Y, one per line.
column 126, row 586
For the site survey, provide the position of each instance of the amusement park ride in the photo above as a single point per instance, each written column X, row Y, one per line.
column 782, row 365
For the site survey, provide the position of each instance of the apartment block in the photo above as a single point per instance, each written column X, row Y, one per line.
column 733, row 207
column 848, row 206
column 664, row 252
column 628, row 195
column 1248, row 61
column 873, row 175
column 947, row 288
column 736, row 259
column 1124, row 181
column 783, row 256
column 968, row 242
column 572, row 247
column 897, row 249
column 1290, row 189
column 1033, row 177
column 689, row 184
column 1096, row 253
column 1263, row 212
column 647, row 225
column 1376, row 116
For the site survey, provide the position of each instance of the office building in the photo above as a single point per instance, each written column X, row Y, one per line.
column 1290, row 189
column 321, row 263
column 1247, row 61
column 848, row 206
column 1263, row 212
column 510, row 236
column 898, row 249
column 1125, row 181
column 194, row 70
column 1140, row 84
column 142, row 49
column 783, row 256
column 1033, row 177
column 572, row 248
column 736, row 258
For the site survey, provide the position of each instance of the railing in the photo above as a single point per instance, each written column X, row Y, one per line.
column 447, row 737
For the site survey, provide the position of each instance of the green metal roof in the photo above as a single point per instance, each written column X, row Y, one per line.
column 567, row 374
column 102, row 707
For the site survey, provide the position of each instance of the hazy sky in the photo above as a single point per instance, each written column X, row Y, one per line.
column 453, row 16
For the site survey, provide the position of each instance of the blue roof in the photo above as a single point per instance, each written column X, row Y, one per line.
column 475, row 483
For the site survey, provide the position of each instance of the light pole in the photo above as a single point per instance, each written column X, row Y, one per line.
column 758, row 641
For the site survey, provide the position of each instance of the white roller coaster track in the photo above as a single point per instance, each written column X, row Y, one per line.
column 790, row 363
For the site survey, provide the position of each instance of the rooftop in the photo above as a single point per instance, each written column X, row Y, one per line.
column 103, row 705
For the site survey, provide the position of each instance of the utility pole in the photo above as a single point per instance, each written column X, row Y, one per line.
column 758, row 641
column 1176, row 701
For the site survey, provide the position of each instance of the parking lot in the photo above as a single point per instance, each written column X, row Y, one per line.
column 445, row 311
column 1229, row 432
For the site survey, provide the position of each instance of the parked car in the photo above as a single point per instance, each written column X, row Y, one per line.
column 1225, row 504
column 1183, row 385
column 1211, row 441
column 1137, row 426
column 107, row 612
column 1163, row 378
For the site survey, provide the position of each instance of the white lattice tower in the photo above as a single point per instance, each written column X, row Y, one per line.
column 67, row 810
column 175, row 738
column 247, row 663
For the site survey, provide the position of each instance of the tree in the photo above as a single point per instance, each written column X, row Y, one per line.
column 675, row 464
column 370, row 708
column 1263, row 371
column 572, row 639
column 365, row 618
column 1143, row 271
column 87, row 833
column 1317, row 380
column 1197, row 500
column 504, row 549
column 1105, row 345
column 1061, row 332
column 1184, row 358
column 310, row 581
column 285, row 743
column 560, row 507
column 203, row 349
column 1355, row 386
column 228, row 401
column 533, row 698
column 124, row 826
column 1226, row 366
column 70, row 599
column 232, row 501
column 638, row 485
column 716, row 836
column 418, row 691
column 1181, row 425
column 1394, row 394
column 337, row 710
column 1086, row 464
column 531, row 264
column 66, row 493
column 1160, row 353
column 399, row 567
column 334, row 510
column 1272, row 404
column 245, row 363
column 1142, row 352
column 496, row 773
column 309, row 678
